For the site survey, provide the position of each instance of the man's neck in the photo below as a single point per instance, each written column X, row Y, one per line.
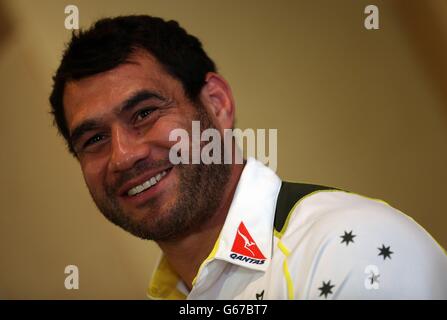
column 186, row 255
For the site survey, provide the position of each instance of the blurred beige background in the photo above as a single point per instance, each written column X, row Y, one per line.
column 360, row 110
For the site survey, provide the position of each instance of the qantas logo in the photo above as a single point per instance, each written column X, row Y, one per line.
column 245, row 248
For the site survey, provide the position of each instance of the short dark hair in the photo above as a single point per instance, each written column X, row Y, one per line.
column 110, row 42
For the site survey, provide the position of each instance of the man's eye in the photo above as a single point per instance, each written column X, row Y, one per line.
column 143, row 113
column 95, row 139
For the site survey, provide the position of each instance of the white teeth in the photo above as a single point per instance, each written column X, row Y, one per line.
column 146, row 185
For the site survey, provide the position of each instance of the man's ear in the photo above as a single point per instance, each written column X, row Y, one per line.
column 217, row 97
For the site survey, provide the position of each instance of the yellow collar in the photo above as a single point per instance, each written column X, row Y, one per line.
column 163, row 285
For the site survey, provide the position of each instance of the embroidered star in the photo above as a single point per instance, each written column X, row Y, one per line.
column 348, row 237
column 385, row 252
column 326, row 289
column 260, row 296
column 374, row 278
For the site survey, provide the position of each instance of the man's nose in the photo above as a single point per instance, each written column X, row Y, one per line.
column 127, row 149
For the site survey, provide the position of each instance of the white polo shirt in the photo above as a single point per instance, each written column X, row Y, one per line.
column 331, row 244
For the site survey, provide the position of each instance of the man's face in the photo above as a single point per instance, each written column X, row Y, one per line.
column 119, row 123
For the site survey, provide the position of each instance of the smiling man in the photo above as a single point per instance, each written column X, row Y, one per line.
column 227, row 231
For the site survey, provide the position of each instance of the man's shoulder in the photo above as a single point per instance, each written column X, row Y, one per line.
column 333, row 217
column 328, row 208
column 337, row 234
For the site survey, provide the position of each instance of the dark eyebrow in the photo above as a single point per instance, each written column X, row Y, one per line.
column 138, row 97
column 127, row 105
column 80, row 130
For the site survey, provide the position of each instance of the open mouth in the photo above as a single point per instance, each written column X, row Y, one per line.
column 152, row 181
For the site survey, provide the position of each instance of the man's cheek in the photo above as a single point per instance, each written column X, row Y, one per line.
column 164, row 128
column 93, row 189
column 95, row 180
